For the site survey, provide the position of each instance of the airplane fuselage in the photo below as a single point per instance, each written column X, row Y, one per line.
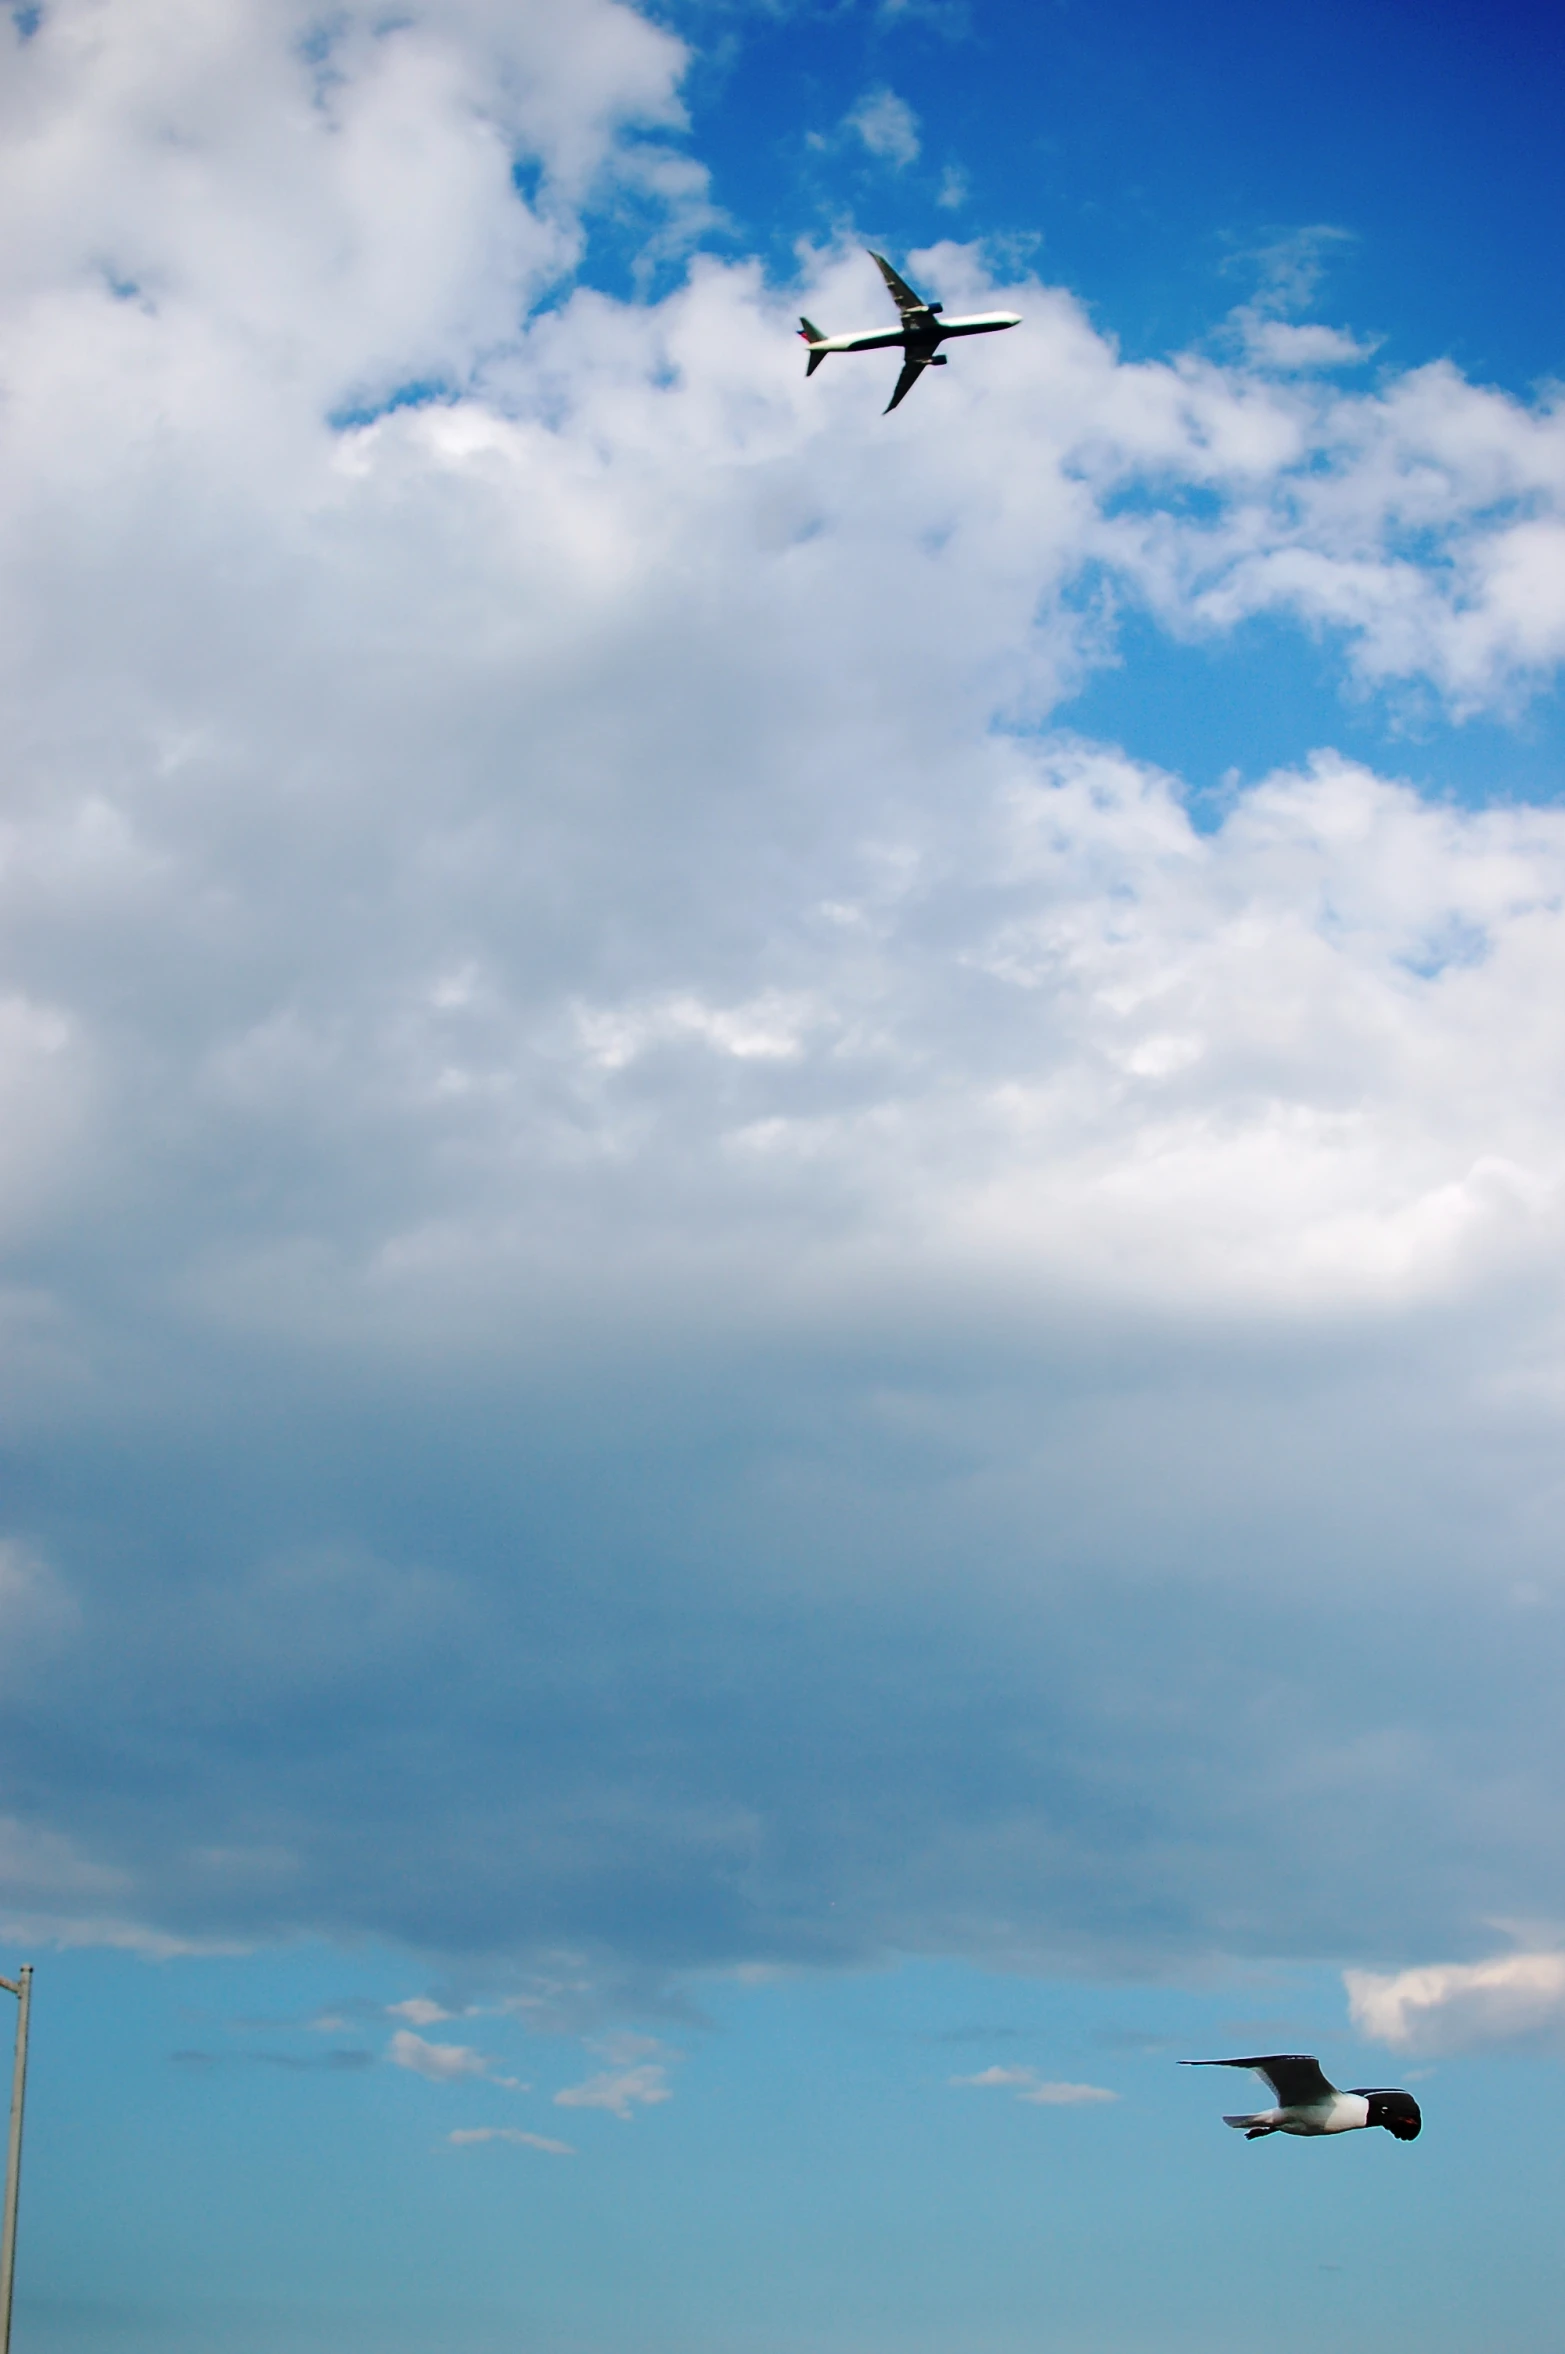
column 919, row 338
column 921, row 326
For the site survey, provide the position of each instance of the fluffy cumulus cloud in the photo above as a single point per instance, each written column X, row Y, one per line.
column 442, row 2063
column 887, row 126
column 681, row 1289
column 1515, row 1998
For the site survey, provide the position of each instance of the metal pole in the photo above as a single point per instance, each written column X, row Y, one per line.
column 22, row 1987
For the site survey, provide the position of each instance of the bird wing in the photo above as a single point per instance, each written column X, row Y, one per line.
column 1295, row 2077
column 911, row 305
column 912, row 369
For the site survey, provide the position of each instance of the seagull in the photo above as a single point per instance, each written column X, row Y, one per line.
column 1307, row 2103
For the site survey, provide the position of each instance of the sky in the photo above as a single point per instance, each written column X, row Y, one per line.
column 783, row 1345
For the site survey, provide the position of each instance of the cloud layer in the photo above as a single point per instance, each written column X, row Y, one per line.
column 680, row 1290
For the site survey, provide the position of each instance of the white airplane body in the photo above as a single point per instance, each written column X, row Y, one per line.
column 924, row 325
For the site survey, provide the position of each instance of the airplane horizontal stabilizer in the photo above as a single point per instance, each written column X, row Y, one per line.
column 812, row 336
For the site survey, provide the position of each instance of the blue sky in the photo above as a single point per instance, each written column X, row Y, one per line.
column 782, row 1189
column 823, row 2175
column 1144, row 160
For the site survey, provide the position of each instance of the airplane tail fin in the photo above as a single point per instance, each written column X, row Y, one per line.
column 812, row 335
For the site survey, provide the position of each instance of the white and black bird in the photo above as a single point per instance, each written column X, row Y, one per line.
column 1307, row 2103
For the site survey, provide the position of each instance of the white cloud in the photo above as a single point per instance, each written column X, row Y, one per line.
column 441, row 2063
column 331, row 220
column 466, row 2136
column 1446, row 2007
column 887, row 126
column 769, row 1029
column 561, row 897
column 1279, row 343
column 1288, row 270
column 621, row 2091
column 1040, row 2091
column 1248, row 1093
column 418, row 2011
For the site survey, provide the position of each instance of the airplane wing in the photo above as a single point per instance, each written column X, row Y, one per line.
column 1295, row 2077
column 911, row 371
column 912, row 306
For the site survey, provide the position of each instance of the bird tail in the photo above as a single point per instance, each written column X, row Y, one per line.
column 1252, row 2127
column 812, row 335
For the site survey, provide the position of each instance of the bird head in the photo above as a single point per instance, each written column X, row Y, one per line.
column 1397, row 2111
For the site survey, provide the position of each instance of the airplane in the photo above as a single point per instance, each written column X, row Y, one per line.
column 922, row 328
